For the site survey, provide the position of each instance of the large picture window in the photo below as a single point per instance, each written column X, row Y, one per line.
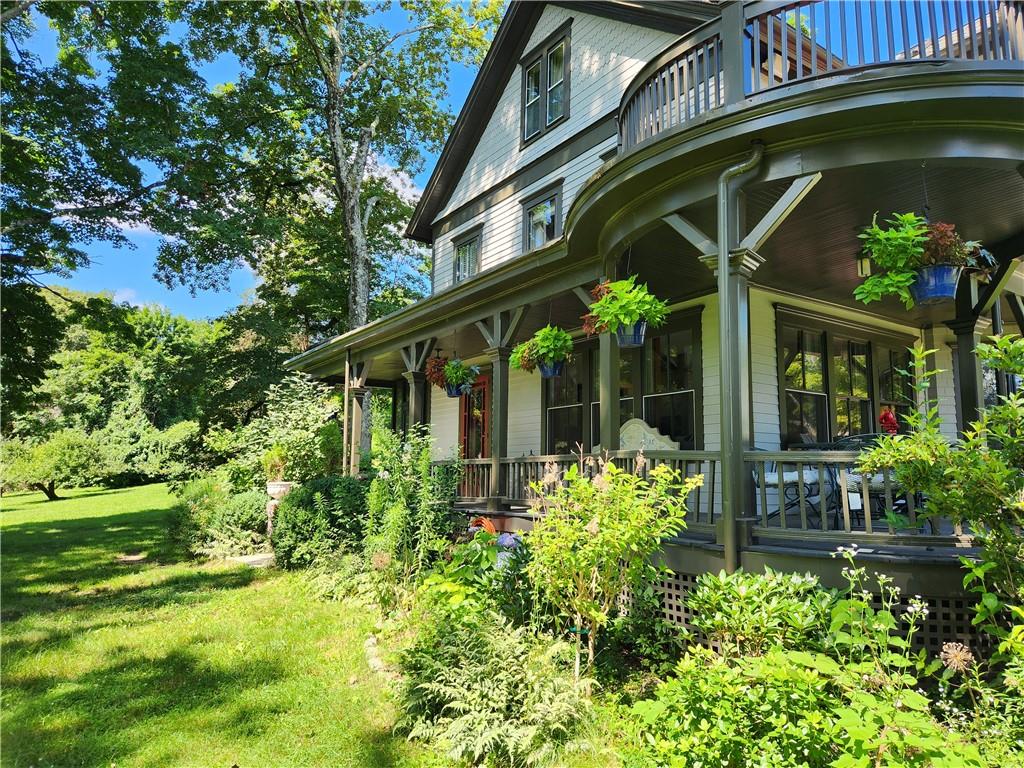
column 670, row 404
column 545, row 85
column 836, row 377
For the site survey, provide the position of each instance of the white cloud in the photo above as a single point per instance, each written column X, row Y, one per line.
column 407, row 189
column 128, row 295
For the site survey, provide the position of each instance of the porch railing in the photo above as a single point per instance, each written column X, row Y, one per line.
column 520, row 476
column 764, row 45
column 820, row 496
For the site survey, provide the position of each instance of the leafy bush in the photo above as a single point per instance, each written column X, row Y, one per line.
column 596, row 536
column 298, row 419
column 750, row 613
column 68, row 459
column 318, row 517
column 486, row 690
column 198, row 504
column 411, row 515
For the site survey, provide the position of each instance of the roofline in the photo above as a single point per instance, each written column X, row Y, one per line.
column 501, row 60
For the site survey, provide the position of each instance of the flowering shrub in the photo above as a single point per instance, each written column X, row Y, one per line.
column 595, row 537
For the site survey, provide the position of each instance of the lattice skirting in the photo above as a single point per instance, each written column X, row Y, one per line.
column 948, row 620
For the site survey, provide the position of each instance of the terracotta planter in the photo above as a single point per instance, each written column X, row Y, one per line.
column 278, row 489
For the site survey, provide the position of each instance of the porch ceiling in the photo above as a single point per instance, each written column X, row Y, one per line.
column 814, row 252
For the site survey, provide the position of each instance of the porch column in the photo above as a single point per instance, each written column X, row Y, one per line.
column 970, row 381
column 417, row 397
column 608, row 390
column 355, row 451
column 498, row 357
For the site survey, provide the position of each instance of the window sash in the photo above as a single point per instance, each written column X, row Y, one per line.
column 541, row 219
column 647, row 399
column 551, row 436
column 555, row 88
column 532, row 103
column 466, row 259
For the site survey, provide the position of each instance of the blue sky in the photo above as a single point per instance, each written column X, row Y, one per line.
column 128, row 273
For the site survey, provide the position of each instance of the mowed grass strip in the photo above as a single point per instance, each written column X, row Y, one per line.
column 117, row 650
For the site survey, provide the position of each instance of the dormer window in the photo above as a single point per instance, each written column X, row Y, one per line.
column 546, row 85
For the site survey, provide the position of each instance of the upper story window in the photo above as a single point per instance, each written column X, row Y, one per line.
column 546, row 85
column 467, row 256
column 542, row 218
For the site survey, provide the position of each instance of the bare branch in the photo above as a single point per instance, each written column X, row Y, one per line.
column 16, row 10
column 358, row 167
column 372, row 58
column 303, row 27
column 43, row 216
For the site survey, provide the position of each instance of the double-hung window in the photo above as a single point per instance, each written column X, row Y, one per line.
column 542, row 218
column 467, row 256
column 546, row 85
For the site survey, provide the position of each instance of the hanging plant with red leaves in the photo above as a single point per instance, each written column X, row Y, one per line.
column 434, row 371
column 591, row 324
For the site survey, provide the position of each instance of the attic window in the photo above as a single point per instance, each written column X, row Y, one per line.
column 546, row 85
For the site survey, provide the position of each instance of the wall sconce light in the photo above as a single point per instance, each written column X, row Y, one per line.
column 863, row 266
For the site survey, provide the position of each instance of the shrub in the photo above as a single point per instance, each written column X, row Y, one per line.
column 198, row 503
column 484, row 689
column 318, row 517
column 411, row 514
column 596, row 536
column 750, row 613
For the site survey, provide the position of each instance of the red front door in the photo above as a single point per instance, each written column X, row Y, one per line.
column 475, row 419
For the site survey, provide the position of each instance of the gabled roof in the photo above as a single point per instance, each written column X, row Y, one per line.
column 499, row 64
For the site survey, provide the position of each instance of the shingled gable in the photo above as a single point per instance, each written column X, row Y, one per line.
column 498, row 66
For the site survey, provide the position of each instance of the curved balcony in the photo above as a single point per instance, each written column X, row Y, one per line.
column 755, row 47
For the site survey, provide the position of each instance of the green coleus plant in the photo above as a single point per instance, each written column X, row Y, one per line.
column 623, row 303
column 549, row 345
column 905, row 245
column 459, row 375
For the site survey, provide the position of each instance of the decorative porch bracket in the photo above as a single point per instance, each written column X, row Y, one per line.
column 1017, row 309
column 499, row 332
column 415, row 357
column 779, row 212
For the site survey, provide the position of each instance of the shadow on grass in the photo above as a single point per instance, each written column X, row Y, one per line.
column 104, row 715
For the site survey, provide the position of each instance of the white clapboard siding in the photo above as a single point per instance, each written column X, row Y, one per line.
column 524, row 390
column 605, row 55
column 444, row 423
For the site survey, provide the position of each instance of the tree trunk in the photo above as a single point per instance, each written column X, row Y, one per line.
column 48, row 489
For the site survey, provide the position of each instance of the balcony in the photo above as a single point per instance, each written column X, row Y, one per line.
column 755, row 50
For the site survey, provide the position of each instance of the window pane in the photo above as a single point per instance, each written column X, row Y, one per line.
column 859, row 369
column 556, row 84
column 566, row 389
column 792, row 360
column 532, row 101
column 813, row 353
column 542, row 223
column 806, row 418
column 565, row 429
column 672, row 415
column 465, row 260
column 672, row 361
column 853, row 417
column 475, row 426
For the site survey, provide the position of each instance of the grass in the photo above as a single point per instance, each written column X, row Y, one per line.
column 163, row 662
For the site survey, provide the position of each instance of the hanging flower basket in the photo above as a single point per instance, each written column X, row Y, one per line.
column 547, row 350
column 625, row 308
column 453, row 390
column 918, row 262
column 551, row 370
column 459, row 377
column 935, row 284
column 631, row 336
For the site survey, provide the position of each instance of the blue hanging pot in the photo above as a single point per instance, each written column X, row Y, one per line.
column 551, row 370
column 935, row 284
column 632, row 335
column 453, row 390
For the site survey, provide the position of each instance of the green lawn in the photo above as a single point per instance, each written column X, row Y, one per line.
column 163, row 662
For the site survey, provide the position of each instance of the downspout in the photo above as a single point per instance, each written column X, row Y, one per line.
column 729, row 364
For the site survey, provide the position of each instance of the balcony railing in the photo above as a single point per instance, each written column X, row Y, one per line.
column 763, row 45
